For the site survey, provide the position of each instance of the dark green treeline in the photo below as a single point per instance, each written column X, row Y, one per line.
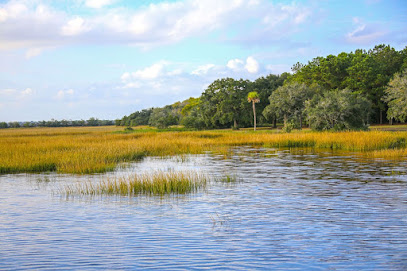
column 362, row 74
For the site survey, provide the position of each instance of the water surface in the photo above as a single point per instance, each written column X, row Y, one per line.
column 289, row 210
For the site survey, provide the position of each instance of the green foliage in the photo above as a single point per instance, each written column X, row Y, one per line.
column 338, row 110
column 288, row 102
column 163, row 117
column 365, row 72
column 253, row 97
column 289, row 126
column 396, row 97
column 223, row 103
column 135, row 119
column 265, row 87
column 191, row 114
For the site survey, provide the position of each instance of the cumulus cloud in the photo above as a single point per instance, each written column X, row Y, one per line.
column 61, row 94
column 17, row 94
column 203, row 69
column 27, row 92
column 151, row 72
column 98, row 3
column 32, row 25
column 252, row 65
column 235, row 64
column 74, row 27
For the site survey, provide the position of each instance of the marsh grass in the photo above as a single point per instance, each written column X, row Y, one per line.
column 99, row 149
column 154, row 183
column 228, row 179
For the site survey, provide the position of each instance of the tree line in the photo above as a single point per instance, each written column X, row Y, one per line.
column 57, row 123
column 343, row 92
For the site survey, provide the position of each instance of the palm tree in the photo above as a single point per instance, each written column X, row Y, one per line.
column 253, row 97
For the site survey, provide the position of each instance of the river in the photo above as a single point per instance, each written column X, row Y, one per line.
column 287, row 210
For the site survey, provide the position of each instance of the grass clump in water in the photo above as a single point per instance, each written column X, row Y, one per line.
column 155, row 183
column 228, row 179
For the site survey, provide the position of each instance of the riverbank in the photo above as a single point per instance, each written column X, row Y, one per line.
column 100, row 149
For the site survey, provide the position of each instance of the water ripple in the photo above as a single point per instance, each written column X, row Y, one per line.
column 289, row 210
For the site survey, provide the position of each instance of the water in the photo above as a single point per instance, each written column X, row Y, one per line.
column 289, row 211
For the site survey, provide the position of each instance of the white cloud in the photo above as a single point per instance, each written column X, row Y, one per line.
column 16, row 94
column 27, row 92
column 235, row 64
column 126, row 76
column 61, row 94
column 151, row 72
column 74, row 27
column 132, row 85
column 28, row 24
column 252, row 66
column 364, row 33
column 175, row 72
column 33, row 52
column 3, row 15
column 7, row 91
column 16, row 9
column 98, row 3
column 203, row 69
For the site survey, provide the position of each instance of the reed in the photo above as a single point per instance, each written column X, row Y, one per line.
column 99, row 149
column 155, row 183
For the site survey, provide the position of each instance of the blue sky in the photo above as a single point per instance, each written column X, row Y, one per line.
column 76, row 59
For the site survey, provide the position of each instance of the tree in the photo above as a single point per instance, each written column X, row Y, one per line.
column 365, row 72
column 92, row 122
column 163, row 117
column 288, row 102
column 338, row 110
column 396, row 97
column 265, row 87
column 253, row 97
column 191, row 114
column 224, row 104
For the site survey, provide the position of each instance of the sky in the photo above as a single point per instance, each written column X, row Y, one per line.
column 76, row 59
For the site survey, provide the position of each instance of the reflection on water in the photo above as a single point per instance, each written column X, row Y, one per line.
column 290, row 210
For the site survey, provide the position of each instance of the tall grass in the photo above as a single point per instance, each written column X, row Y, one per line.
column 98, row 149
column 155, row 183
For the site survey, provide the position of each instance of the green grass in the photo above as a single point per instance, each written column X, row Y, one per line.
column 155, row 183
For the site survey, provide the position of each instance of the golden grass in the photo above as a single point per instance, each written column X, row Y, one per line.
column 155, row 183
column 98, row 149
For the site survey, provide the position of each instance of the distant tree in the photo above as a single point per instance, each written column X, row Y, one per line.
column 192, row 115
column 288, row 102
column 253, row 97
column 137, row 118
column 3, row 125
column 338, row 110
column 396, row 97
column 163, row 117
column 265, row 87
column 14, row 124
column 365, row 72
column 224, row 104
column 92, row 122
